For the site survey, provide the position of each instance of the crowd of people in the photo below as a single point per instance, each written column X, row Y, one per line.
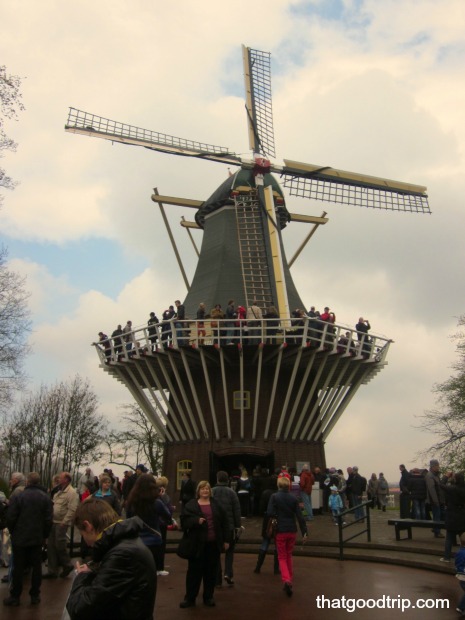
column 124, row 524
column 37, row 520
column 235, row 324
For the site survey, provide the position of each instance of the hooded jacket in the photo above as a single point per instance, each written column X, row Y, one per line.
column 123, row 584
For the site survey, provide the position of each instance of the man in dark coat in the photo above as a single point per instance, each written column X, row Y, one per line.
column 359, row 486
column 187, row 489
column 29, row 520
column 120, row 583
column 229, row 500
column 405, row 499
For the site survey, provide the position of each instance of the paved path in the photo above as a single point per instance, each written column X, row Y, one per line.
column 261, row 596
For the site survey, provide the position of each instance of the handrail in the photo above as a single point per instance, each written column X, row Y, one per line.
column 343, row 526
column 306, row 332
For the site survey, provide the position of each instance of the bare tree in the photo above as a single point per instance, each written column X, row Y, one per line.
column 447, row 421
column 56, row 428
column 14, row 313
column 15, row 326
column 138, row 442
column 10, row 105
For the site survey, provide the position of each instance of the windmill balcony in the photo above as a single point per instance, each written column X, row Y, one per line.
column 272, row 333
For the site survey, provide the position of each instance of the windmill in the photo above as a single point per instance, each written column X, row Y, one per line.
column 262, row 402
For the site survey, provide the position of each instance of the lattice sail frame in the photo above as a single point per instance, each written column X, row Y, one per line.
column 356, row 195
column 84, row 122
column 257, row 66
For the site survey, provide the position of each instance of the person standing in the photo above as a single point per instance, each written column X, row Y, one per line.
column 372, row 491
column 206, row 522
column 127, row 335
column 229, row 501
column 231, row 316
column 306, row 485
column 201, row 333
column 335, row 504
column 187, row 489
column 166, row 331
column 254, row 323
column 460, row 572
column 383, row 490
column 83, row 484
column 285, row 507
column 107, row 494
column 404, row 499
column 121, row 581
column 65, row 503
column 117, row 341
column 435, row 495
column 359, row 485
column 179, row 323
column 269, row 488
column 145, row 502
column 416, row 487
column 454, row 513
column 152, row 325
column 243, row 489
column 29, row 521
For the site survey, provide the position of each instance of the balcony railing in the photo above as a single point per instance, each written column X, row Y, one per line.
column 304, row 333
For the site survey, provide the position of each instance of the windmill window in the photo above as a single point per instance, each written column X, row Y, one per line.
column 241, row 399
column 183, row 467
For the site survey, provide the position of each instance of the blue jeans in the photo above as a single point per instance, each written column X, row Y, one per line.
column 419, row 509
column 461, row 605
column 359, row 512
column 438, row 515
column 307, row 502
column 179, row 334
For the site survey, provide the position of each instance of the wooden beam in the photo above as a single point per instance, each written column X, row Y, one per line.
column 308, row 219
column 188, row 224
column 180, row 202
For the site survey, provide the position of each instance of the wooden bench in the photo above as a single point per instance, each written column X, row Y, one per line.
column 407, row 524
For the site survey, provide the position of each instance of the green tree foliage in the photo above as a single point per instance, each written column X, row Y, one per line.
column 55, row 429
column 447, row 420
column 138, row 442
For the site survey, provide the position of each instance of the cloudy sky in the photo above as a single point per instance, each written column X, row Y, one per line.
column 373, row 87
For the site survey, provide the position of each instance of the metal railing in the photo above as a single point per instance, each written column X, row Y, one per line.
column 344, row 525
column 304, row 333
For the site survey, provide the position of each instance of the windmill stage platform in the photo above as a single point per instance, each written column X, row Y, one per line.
column 264, row 397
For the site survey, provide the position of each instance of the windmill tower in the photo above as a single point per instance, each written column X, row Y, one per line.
column 265, row 400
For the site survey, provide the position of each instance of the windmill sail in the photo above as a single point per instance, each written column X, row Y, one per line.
column 257, row 76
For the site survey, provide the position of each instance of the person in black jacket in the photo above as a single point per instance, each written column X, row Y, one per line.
column 285, row 507
column 455, row 512
column 228, row 499
column 205, row 520
column 187, row 489
column 416, row 488
column 119, row 583
column 29, row 520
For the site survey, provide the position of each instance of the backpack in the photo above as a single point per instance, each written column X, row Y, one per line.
column 364, row 484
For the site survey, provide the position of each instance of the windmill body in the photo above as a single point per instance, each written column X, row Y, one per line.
column 270, row 392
